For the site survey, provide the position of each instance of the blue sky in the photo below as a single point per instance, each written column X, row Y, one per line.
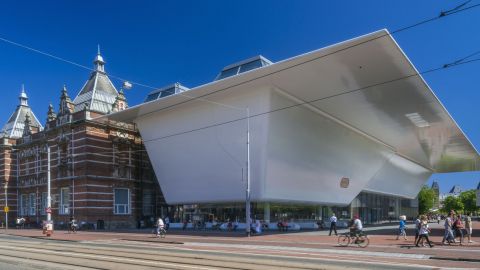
column 161, row 42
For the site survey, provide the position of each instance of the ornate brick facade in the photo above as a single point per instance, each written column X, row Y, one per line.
column 100, row 172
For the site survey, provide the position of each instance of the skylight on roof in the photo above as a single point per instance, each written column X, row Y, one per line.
column 166, row 91
column 243, row 66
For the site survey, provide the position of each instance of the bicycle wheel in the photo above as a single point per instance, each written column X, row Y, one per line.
column 343, row 240
column 363, row 241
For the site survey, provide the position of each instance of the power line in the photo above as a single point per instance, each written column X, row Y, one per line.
column 316, row 100
column 457, row 9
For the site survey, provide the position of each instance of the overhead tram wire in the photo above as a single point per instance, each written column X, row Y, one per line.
column 442, row 14
column 458, row 9
column 443, row 67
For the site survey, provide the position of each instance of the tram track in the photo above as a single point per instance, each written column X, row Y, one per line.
column 165, row 260
column 193, row 255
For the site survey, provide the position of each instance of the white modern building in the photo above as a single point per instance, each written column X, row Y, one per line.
column 324, row 126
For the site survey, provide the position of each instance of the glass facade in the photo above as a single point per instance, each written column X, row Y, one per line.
column 371, row 208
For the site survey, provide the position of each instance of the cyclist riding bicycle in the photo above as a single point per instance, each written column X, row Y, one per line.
column 160, row 226
column 357, row 227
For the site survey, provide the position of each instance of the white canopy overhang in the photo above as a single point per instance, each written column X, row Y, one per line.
column 366, row 85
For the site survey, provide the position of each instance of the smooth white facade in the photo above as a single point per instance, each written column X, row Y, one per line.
column 313, row 122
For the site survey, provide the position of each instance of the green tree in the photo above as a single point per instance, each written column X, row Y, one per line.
column 469, row 200
column 452, row 203
column 426, row 196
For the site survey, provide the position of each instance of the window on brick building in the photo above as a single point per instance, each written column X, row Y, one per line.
column 121, row 201
column 43, row 206
column 64, row 206
column 23, row 205
column 32, row 207
column 147, row 202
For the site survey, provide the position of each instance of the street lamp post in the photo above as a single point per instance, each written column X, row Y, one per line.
column 49, row 197
column 247, row 199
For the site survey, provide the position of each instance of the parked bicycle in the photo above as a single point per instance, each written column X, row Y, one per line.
column 361, row 239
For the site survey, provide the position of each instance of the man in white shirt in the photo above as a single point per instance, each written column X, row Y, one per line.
column 357, row 226
column 333, row 224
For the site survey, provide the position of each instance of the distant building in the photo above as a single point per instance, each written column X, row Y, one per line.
column 454, row 191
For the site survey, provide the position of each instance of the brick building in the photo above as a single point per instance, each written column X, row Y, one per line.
column 100, row 172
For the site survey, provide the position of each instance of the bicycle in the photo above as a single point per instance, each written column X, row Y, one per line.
column 348, row 238
column 161, row 233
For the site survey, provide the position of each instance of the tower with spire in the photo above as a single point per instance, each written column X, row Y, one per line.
column 14, row 128
column 98, row 94
column 72, row 136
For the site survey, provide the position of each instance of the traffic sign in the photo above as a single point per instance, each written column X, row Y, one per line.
column 6, row 209
column 48, row 210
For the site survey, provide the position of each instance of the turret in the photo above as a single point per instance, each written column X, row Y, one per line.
column 27, row 125
column 51, row 113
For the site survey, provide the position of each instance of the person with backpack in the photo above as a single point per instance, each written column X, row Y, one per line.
column 448, row 236
column 424, row 231
column 458, row 228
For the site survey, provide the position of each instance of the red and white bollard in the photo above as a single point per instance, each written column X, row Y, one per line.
column 48, row 228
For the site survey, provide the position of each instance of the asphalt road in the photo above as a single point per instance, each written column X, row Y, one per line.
column 28, row 253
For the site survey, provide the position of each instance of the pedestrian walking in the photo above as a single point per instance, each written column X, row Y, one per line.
column 402, row 228
column 424, row 231
column 417, row 228
column 167, row 223
column 448, row 235
column 333, row 224
column 458, row 228
column 468, row 227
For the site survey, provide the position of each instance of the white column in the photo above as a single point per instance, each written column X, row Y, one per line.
column 266, row 212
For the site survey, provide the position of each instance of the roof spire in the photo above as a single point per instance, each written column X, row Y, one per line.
column 99, row 63
column 23, row 97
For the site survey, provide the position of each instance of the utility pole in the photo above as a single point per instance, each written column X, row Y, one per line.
column 247, row 200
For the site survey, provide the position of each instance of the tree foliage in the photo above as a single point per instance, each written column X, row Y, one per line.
column 426, row 196
column 469, row 200
column 452, row 203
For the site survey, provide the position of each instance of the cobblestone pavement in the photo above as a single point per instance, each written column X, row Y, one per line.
column 383, row 248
